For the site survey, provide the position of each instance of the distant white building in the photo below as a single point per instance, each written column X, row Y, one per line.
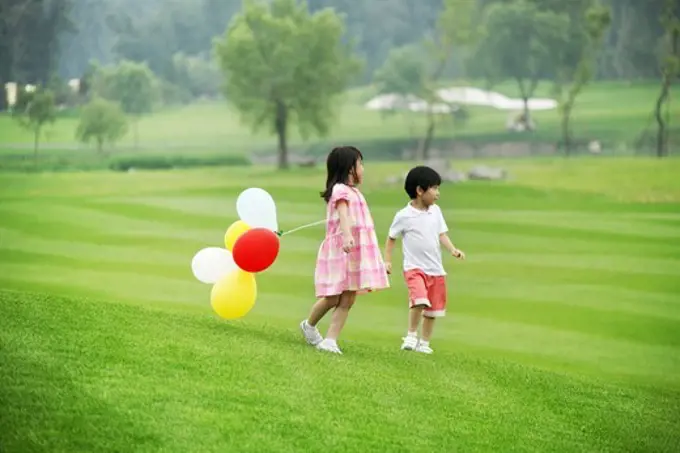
column 457, row 96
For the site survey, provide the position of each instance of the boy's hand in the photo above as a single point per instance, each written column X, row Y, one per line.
column 388, row 267
column 459, row 254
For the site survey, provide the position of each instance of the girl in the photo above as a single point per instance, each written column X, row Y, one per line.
column 349, row 260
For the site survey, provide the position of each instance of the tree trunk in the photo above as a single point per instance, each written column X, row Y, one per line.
column 281, row 125
column 3, row 94
column 36, row 142
column 426, row 142
column 666, row 81
column 526, row 119
column 566, row 130
column 661, row 131
column 135, row 132
column 100, row 145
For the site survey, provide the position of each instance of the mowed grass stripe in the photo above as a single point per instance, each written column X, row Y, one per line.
column 148, row 355
column 635, row 225
column 572, row 275
column 604, row 298
column 623, row 262
column 164, row 252
column 129, row 285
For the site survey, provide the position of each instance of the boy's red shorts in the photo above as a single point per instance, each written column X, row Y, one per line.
column 428, row 291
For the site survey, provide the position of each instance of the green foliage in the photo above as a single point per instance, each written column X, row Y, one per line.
column 131, row 84
column 520, row 43
column 165, row 162
column 33, row 110
column 196, row 74
column 284, row 65
column 101, row 120
column 403, row 73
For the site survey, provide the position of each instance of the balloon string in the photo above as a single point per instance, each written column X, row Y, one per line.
column 283, row 233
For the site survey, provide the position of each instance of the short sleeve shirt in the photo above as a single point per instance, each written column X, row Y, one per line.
column 420, row 231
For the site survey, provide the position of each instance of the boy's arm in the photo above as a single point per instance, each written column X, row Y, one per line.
column 445, row 240
column 396, row 230
column 448, row 245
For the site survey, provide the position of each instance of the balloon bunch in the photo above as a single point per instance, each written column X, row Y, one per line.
column 251, row 246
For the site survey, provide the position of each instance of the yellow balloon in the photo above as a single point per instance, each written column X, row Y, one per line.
column 234, row 295
column 234, row 232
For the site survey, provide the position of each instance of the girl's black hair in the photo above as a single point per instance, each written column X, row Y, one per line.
column 340, row 163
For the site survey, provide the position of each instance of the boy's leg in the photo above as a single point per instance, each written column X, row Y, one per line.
column 437, row 295
column 338, row 322
column 414, row 316
column 418, row 301
column 428, row 326
column 319, row 309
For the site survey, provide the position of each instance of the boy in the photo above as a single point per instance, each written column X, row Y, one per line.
column 422, row 226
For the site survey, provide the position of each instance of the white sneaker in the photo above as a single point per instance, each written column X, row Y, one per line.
column 424, row 348
column 410, row 343
column 311, row 333
column 329, row 346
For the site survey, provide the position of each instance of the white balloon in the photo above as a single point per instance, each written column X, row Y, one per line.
column 211, row 264
column 257, row 208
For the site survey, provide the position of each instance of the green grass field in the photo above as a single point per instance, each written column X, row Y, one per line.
column 563, row 331
column 615, row 113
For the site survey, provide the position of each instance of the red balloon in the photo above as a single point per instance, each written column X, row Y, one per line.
column 256, row 250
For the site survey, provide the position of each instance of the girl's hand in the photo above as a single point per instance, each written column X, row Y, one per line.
column 347, row 242
column 459, row 254
column 388, row 267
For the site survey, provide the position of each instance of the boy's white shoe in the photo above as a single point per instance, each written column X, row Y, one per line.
column 410, row 343
column 311, row 333
column 329, row 346
column 424, row 347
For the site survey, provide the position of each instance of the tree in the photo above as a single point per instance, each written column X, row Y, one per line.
column 131, row 84
column 101, row 120
column 520, row 44
column 33, row 110
column 284, row 65
column 577, row 58
column 455, row 31
column 196, row 75
column 408, row 71
column 403, row 74
column 670, row 69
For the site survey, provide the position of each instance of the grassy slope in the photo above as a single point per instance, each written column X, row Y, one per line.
column 614, row 112
column 563, row 334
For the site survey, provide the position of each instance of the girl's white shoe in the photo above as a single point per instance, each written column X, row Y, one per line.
column 312, row 334
column 424, row 348
column 329, row 346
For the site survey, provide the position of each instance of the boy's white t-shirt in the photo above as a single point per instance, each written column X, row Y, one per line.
column 420, row 231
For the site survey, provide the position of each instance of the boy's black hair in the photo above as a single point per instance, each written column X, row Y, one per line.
column 423, row 177
column 340, row 163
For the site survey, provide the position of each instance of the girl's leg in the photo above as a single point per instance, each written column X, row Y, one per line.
column 340, row 315
column 320, row 308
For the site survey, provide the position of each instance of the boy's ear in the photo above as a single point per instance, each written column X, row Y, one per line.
column 419, row 191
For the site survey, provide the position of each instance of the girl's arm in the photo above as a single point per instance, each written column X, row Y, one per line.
column 345, row 227
column 389, row 247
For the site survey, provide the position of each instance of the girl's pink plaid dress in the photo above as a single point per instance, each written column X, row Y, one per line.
column 362, row 269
